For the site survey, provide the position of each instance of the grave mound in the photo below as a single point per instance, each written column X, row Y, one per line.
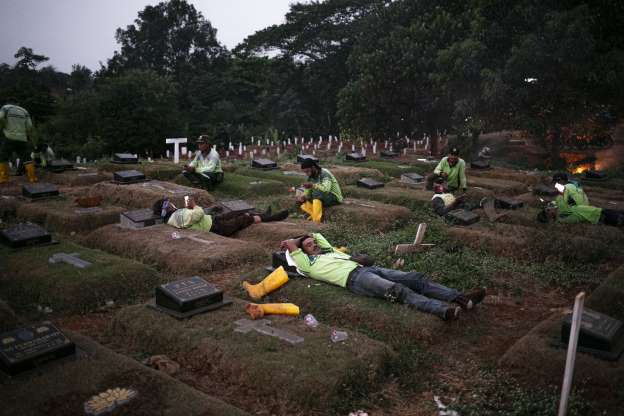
column 316, row 374
column 395, row 193
column 161, row 170
column 528, row 178
column 499, row 186
column 62, row 387
column 372, row 214
column 80, row 177
column 270, row 234
column 246, row 186
column 192, row 253
column 345, row 175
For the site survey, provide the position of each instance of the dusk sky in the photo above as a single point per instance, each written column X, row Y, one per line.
column 83, row 31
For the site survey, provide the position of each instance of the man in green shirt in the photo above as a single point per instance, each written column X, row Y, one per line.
column 205, row 169
column 316, row 258
column 452, row 169
column 16, row 131
column 321, row 190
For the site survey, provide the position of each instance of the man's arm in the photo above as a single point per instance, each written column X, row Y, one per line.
column 321, row 241
column 325, row 183
column 438, row 168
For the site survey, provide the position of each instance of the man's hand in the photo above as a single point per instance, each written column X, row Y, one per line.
column 188, row 168
column 443, row 174
column 290, row 245
column 307, row 185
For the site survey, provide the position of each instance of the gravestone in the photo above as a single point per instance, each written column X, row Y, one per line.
column 480, row 164
column 39, row 190
column 24, row 235
column 278, row 258
column 71, row 258
column 600, row 334
column 29, row 347
column 388, row 154
column 128, row 176
column 302, row 157
column 412, row 178
column 187, row 297
column 237, row 205
column 125, row 158
column 59, row 165
column 369, row 183
column 356, row 157
column 263, row 327
column 507, row 202
column 595, row 174
column 264, row 164
column 139, row 218
column 462, row 217
column 545, row 190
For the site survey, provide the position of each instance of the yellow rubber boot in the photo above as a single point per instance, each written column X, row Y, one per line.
column 317, row 210
column 30, row 172
column 274, row 281
column 343, row 249
column 4, row 172
column 306, row 207
column 259, row 310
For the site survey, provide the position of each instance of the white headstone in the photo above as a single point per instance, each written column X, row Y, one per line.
column 227, row 153
column 353, row 148
column 167, row 153
column 77, row 160
column 240, row 149
column 183, row 150
column 176, row 147
column 296, row 139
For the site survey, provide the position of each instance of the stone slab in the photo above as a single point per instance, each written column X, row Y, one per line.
column 506, row 202
column 264, row 164
column 188, row 295
column 388, row 154
column 125, row 158
column 24, row 235
column 302, row 157
column 128, row 176
column 59, row 165
column 355, row 157
column 600, row 334
column 139, row 218
column 69, row 258
column 462, row 217
column 39, row 190
column 369, row 183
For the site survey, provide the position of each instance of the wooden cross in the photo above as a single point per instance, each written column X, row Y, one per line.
column 417, row 245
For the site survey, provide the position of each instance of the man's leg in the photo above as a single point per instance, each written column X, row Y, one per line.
column 228, row 226
column 419, row 283
column 321, row 200
column 5, row 156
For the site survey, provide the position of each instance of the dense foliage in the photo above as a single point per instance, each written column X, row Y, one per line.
column 371, row 68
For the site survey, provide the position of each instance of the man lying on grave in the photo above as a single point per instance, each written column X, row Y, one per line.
column 193, row 217
column 443, row 201
column 315, row 257
column 452, row 169
column 205, row 169
column 17, row 135
column 320, row 192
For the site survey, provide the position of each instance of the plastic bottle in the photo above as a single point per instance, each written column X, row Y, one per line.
column 338, row 336
column 310, row 321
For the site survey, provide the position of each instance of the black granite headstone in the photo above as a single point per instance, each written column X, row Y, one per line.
column 595, row 174
column 29, row 347
column 462, row 217
column 236, row 206
column 388, row 154
column 128, row 176
column 39, row 190
column 506, row 202
column 480, row 164
column 139, row 218
column 188, row 297
column 125, row 158
column 264, row 164
column 23, row 235
column 302, row 157
column 599, row 334
column 544, row 190
column 412, row 178
column 356, row 157
column 59, row 165
column 369, row 183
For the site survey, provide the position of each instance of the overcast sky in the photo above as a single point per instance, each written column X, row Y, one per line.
column 83, row 31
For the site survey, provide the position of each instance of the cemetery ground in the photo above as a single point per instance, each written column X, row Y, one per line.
column 496, row 360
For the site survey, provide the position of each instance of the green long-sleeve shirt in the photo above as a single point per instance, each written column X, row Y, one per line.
column 456, row 175
column 331, row 266
column 574, row 206
column 210, row 163
column 194, row 219
column 325, row 182
column 15, row 123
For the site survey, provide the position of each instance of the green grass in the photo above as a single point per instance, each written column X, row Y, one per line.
column 246, row 186
column 388, row 168
column 275, row 175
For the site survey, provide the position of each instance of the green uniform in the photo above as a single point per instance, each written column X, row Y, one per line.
column 324, row 183
column 207, row 164
column 574, row 207
column 331, row 266
column 456, row 175
column 194, row 219
column 16, row 127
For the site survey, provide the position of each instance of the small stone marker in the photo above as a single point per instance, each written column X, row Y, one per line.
column 139, row 218
column 388, row 154
column 237, row 205
column 412, row 178
column 262, row 326
column 125, row 158
column 176, row 147
column 480, row 164
column 71, row 258
column 462, row 217
column 294, row 173
column 356, row 157
column 86, row 211
column 187, row 297
column 264, row 164
column 506, row 202
column 59, row 165
column 544, row 190
column 302, row 157
column 23, row 235
column 128, row 176
column 600, row 334
column 369, row 183
column 39, row 190
column 29, row 347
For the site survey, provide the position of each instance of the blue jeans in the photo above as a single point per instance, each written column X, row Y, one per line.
column 410, row 288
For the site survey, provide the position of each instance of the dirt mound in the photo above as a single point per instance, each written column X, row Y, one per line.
column 498, row 186
column 372, row 214
column 345, row 175
column 162, row 170
column 270, row 234
column 62, row 388
column 393, row 193
column 8, row 205
column 528, row 178
column 81, row 177
column 144, row 194
column 195, row 252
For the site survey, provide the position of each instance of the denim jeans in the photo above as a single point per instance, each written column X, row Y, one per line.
column 411, row 288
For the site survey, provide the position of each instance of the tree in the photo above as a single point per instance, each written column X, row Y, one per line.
column 27, row 59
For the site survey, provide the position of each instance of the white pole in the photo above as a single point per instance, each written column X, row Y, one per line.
column 577, row 317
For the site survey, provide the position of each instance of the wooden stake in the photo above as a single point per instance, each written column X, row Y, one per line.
column 571, row 357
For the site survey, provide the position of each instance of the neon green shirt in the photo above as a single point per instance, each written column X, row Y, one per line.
column 325, row 182
column 456, row 175
column 194, row 219
column 209, row 163
column 574, row 206
column 15, row 123
column 331, row 266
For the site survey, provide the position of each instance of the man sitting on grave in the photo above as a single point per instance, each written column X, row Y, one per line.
column 321, row 191
column 452, row 169
column 315, row 257
column 443, row 201
column 16, row 136
column 205, row 169
column 193, row 217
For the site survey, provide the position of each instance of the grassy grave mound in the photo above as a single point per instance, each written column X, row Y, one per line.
column 316, row 375
column 498, row 186
column 395, row 169
column 392, row 194
column 162, row 170
column 30, row 279
column 528, row 178
column 270, row 234
column 62, row 388
column 344, row 174
column 195, row 252
column 63, row 215
column 274, row 175
column 375, row 215
column 79, row 177
column 144, row 194
column 244, row 186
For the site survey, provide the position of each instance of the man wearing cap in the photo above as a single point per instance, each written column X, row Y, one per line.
column 443, row 201
column 16, row 131
column 452, row 169
column 205, row 169
column 321, row 190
